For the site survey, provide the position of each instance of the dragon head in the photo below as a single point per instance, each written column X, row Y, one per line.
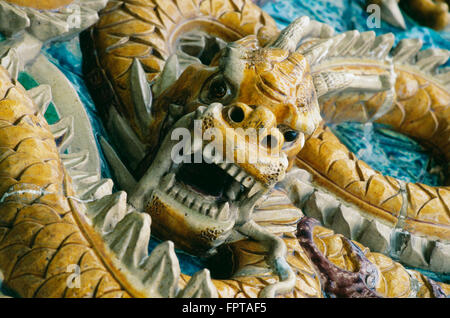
column 251, row 107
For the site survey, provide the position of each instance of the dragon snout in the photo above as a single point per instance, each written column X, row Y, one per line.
column 251, row 139
column 255, row 119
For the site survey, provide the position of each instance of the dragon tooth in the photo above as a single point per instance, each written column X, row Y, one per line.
column 233, row 190
column 224, row 212
column 182, row 193
column 130, row 238
column 162, row 271
column 224, row 165
column 200, row 286
column 213, row 211
column 241, row 175
column 205, row 208
column 248, row 181
column 254, row 189
column 302, row 139
column 175, row 189
column 188, row 201
column 233, row 170
column 197, row 205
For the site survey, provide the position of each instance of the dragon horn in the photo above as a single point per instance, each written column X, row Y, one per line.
column 299, row 29
column 292, row 34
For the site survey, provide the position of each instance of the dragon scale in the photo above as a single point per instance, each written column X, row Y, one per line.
column 315, row 221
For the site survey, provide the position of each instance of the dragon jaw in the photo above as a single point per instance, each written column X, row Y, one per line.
column 200, row 205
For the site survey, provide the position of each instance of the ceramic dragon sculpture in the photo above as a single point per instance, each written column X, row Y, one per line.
column 156, row 66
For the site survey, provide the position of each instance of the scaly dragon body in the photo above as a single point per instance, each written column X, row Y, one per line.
column 49, row 222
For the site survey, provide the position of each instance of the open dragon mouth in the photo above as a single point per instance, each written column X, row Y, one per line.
column 213, row 190
column 201, row 204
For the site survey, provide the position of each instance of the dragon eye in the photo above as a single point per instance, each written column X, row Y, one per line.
column 216, row 89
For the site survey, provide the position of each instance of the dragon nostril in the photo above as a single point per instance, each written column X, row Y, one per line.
column 270, row 141
column 236, row 114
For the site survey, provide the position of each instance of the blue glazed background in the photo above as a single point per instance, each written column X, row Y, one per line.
column 385, row 150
